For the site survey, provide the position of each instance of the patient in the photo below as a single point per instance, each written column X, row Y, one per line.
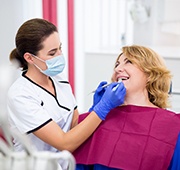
column 141, row 134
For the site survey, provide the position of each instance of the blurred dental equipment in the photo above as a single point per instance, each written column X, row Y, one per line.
column 30, row 158
column 139, row 12
column 5, row 128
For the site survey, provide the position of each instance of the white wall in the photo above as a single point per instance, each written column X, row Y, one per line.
column 161, row 27
column 162, row 33
column 63, row 29
column 99, row 26
column 12, row 15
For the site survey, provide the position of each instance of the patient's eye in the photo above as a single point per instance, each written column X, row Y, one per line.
column 128, row 61
column 116, row 64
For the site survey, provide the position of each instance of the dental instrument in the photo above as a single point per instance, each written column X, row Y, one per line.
column 119, row 81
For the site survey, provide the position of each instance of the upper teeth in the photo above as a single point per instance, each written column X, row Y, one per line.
column 125, row 78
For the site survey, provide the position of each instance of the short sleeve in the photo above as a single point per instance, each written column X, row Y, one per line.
column 25, row 109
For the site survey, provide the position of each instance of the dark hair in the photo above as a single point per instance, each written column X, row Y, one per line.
column 29, row 38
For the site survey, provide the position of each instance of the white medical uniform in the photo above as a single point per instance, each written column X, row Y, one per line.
column 31, row 107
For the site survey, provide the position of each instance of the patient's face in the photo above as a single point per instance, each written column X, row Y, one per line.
column 133, row 78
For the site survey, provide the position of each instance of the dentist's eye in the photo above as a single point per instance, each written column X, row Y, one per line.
column 52, row 54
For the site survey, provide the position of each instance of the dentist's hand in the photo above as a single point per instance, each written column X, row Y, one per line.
column 112, row 97
column 98, row 94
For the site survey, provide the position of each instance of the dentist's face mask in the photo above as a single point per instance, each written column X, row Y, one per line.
column 54, row 65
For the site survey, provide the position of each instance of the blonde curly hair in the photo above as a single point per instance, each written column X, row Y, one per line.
column 158, row 76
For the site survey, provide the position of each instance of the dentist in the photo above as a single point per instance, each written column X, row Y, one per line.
column 41, row 103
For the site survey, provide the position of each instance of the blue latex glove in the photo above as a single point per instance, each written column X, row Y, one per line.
column 98, row 94
column 112, row 97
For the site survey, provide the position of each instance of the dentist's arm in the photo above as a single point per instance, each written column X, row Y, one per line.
column 52, row 134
